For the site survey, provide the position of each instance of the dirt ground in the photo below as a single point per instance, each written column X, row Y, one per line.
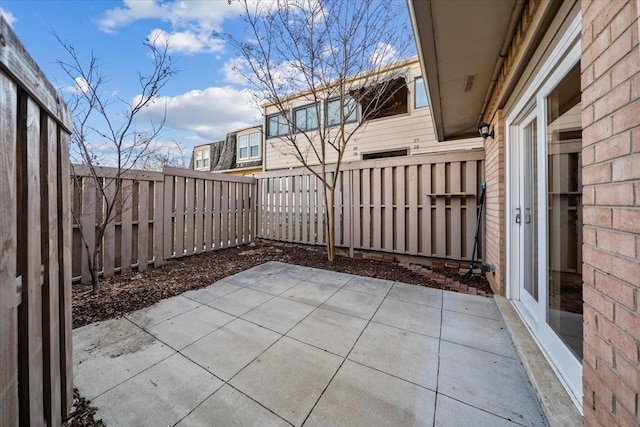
column 125, row 293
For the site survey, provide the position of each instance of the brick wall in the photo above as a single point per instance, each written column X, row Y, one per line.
column 494, row 204
column 611, row 197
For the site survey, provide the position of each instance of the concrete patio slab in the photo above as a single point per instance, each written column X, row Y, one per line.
column 103, row 368
column 353, row 303
column 452, row 413
column 184, row 329
column 414, row 357
column 416, row 294
column 495, row 383
column 369, row 285
column 227, row 350
column 409, row 316
column 274, row 284
column 329, row 330
column 469, row 304
column 228, row 407
column 310, row 293
column 279, row 314
column 161, row 311
column 211, row 292
column 312, row 356
column 239, row 302
column 164, row 394
column 361, row 396
column 288, row 378
column 477, row 332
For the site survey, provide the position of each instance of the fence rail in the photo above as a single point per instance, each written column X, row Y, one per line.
column 158, row 216
column 420, row 205
column 35, row 263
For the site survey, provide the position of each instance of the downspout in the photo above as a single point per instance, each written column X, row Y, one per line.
column 504, row 51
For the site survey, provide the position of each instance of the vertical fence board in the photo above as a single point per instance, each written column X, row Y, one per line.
column 356, row 202
column 304, row 207
column 64, row 274
column 399, row 223
column 126, row 227
column 366, row 209
column 412, row 192
column 158, row 223
column 456, row 212
column 224, row 223
column 169, row 234
column 190, row 201
column 387, row 219
column 109, row 239
column 209, row 220
column 290, row 212
column 441, row 214
column 377, row 209
column 346, row 206
column 470, row 187
column 217, row 215
column 179, row 216
column 247, row 213
column 320, row 217
column 233, row 212
column 88, row 223
column 143, row 225
column 426, row 200
column 8, row 224
column 200, row 212
column 29, row 264
column 313, row 218
column 50, row 287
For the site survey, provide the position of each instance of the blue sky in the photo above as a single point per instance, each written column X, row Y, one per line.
column 204, row 101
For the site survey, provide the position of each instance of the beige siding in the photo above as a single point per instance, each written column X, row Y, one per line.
column 412, row 131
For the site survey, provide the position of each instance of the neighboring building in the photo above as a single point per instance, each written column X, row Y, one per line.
column 402, row 129
column 240, row 153
column 559, row 84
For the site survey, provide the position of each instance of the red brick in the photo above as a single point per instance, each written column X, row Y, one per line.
column 589, row 195
column 616, row 146
column 598, row 173
column 627, row 269
column 607, row 14
column 616, row 51
column 618, row 97
column 615, row 195
column 620, row 243
column 597, row 216
column 635, row 140
column 629, row 322
column 601, row 42
column 626, row 68
column 600, row 87
column 626, row 219
column 626, row 168
column 627, row 117
column 588, row 155
column 586, row 78
column 589, row 236
column 623, row 393
column 598, row 302
column 616, row 290
column 617, row 339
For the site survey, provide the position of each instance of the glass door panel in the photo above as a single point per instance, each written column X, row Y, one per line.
column 529, row 216
column 564, row 211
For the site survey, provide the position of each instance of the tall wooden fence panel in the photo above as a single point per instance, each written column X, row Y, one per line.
column 419, row 205
column 206, row 211
column 158, row 216
column 35, row 261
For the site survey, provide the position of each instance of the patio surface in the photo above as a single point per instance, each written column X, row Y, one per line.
column 281, row 345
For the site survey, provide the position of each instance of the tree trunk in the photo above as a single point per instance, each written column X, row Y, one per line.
column 330, row 224
column 93, row 270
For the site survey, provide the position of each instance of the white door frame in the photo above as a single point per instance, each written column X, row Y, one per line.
column 561, row 60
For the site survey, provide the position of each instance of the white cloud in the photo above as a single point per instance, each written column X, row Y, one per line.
column 8, row 16
column 80, row 86
column 187, row 42
column 180, row 13
column 235, row 70
column 209, row 113
column 383, row 54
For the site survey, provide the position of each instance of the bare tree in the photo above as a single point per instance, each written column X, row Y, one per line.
column 342, row 57
column 161, row 155
column 108, row 131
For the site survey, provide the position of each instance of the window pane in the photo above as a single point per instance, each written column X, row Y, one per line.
column 243, row 153
column 301, row 119
column 276, row 125
column 333, row 111
column 420, row 93
column 254, row 145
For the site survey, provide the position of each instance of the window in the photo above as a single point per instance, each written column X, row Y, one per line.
column 306, row 118
column 277, row 125
column 201, row 159
column 385, row 99
column 350, row 111
column 420, row 93
column 383, row 154
column 249, row 146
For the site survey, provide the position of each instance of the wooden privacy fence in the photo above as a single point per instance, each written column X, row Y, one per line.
column 35, row 236
column 158, row 216
column 418, row 205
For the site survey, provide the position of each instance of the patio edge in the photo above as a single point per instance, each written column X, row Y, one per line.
column 556, row 403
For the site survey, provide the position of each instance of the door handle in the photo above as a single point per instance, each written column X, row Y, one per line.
column 518, row 216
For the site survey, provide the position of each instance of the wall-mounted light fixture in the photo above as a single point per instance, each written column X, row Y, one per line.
column 483, row 129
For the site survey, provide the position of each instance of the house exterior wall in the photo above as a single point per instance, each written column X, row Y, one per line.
column 611, row 179
column 494, row 205
column 412, row 131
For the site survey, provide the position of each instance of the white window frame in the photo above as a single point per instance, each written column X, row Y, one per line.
column 249, row 141
column 415, row 93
